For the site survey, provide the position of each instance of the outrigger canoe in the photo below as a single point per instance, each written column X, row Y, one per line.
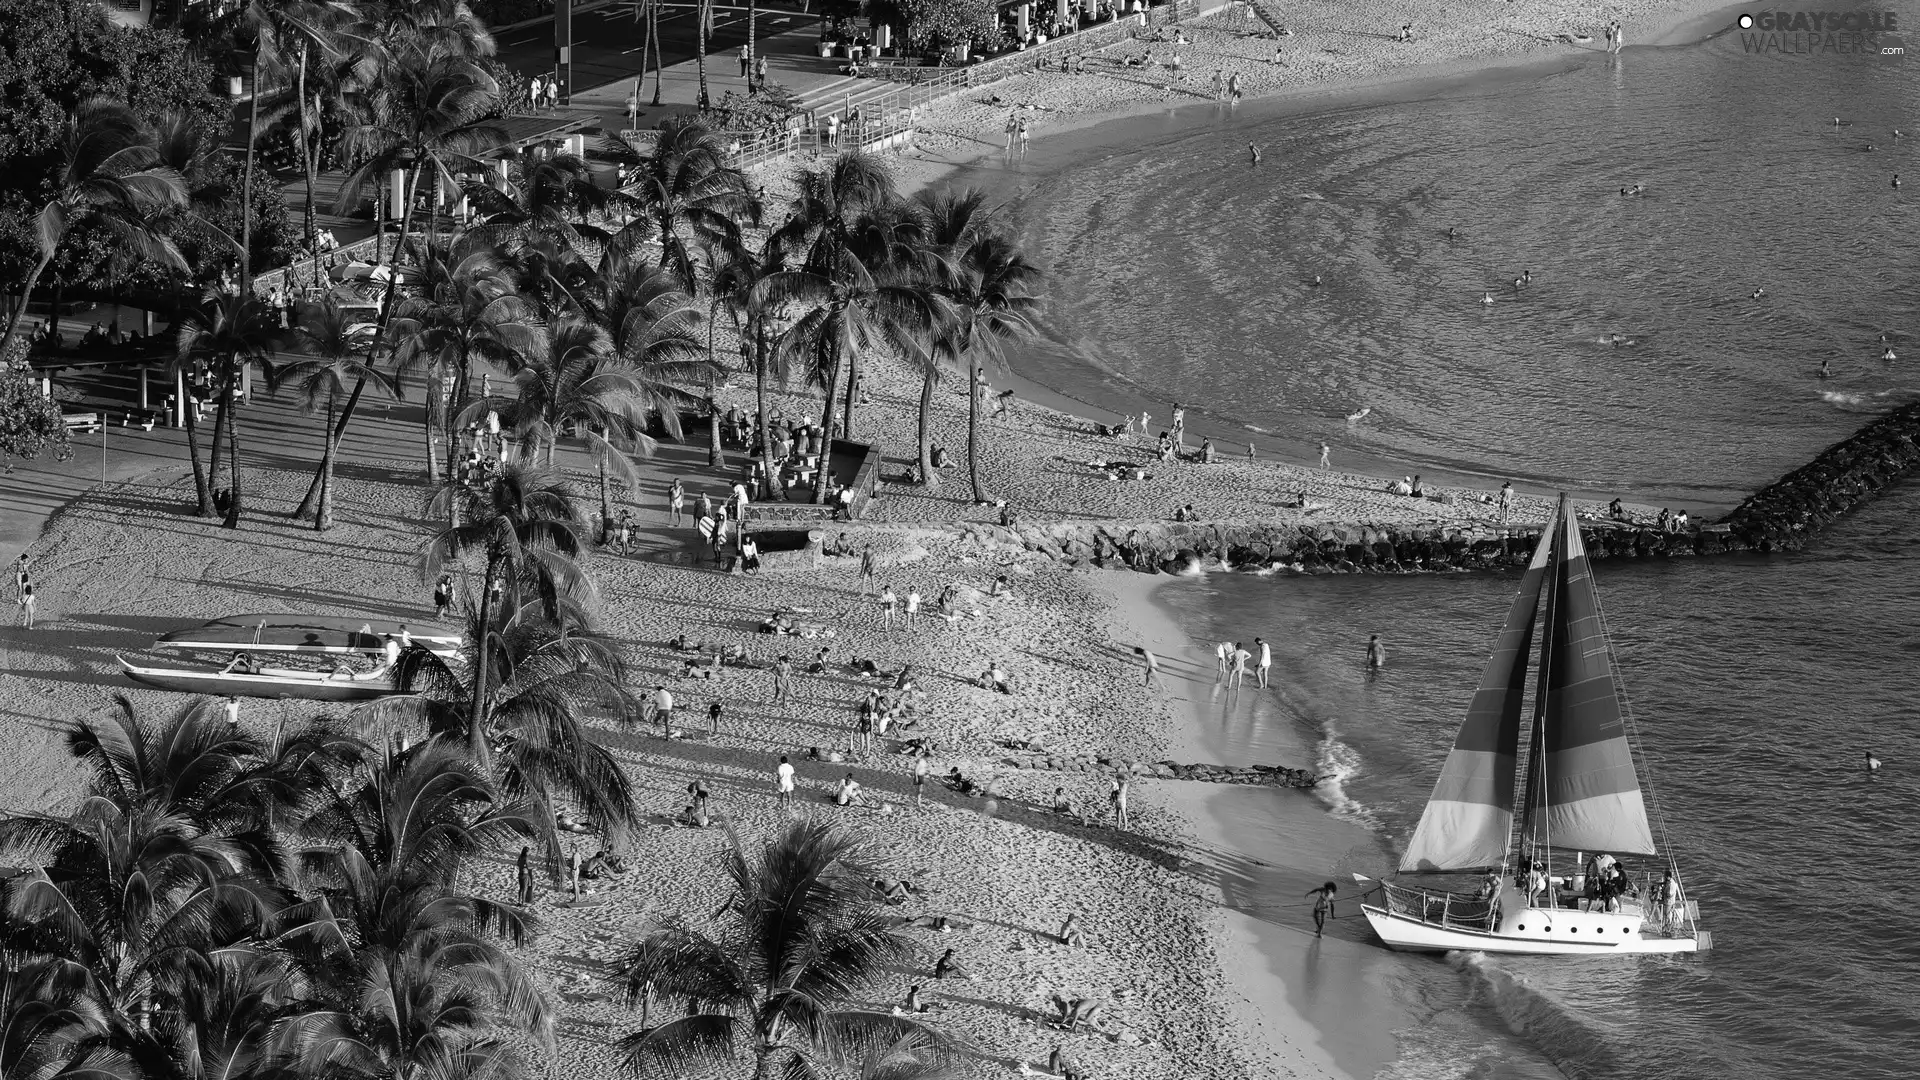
column 322, row 634
column 266, row 683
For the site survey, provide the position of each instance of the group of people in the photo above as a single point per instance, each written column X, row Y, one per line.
column 1671, row 521
column 543, row 92
column 1232, row 658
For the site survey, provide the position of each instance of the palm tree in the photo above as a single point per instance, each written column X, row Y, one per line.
column 523, row 524
column 430, row 113
column 738, row 282
column 864, row 278
column 469, row 308
column 109, row 175
column 233, row 333
column 50, row 1025
column 429, row 992
column 780, row 981
column 552, row 677
column 308, row 47
column 688, row 196
column 556, row 194
column 703, row 11
column 337, row 348
column 989, row 288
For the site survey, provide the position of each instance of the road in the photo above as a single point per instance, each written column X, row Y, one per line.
column 607, row 44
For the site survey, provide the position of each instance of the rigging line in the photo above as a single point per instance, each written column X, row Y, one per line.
column 1633, row 737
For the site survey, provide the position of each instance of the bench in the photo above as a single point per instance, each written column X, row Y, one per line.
column 82, row 423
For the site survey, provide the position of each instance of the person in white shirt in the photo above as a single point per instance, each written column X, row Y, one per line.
column 913, row 607
column 1265, row 662
column 849, row 793
column 783, row 782
column 663, row 708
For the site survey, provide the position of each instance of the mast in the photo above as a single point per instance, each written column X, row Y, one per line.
column 1468, row 821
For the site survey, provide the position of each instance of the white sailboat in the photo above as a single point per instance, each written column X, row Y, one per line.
column 1580, row 794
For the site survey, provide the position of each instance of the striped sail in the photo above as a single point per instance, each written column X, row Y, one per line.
column 1470, row 815
column 1592, row 797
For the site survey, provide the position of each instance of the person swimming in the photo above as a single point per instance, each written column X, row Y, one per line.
column 1517, row 282
column 1873, row 763
column 1826, row 372
column 1253, row 153
column 1354, row 418
column 1896, row 180
column 1526, row 277
column 1889, row 354
column 1449, row 232
column 1486, row 298
column 1758, row 292
column 1316, row 281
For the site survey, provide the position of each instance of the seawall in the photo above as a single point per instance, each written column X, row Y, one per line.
column 1783, row 516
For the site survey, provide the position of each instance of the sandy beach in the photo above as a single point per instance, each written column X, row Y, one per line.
column 1205, row 969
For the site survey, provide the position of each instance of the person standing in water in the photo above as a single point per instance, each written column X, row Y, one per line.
column 1376, row 653
column 1263, row 663
column 1326, row 456
column 1253, row 154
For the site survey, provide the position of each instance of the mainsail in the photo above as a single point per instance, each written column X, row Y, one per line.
column 1587, row 790
column 1469, row 818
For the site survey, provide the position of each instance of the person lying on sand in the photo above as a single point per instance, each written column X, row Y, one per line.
column 949, row 968
column 1076, row 1011
column 995, row 678
column 565, row 823
column 892, row 892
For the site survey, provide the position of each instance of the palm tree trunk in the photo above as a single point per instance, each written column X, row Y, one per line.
column 853, row 384
column 202, row 490
column 26, row 297
column 766, row 429
column 703, row 12
column 386, row 313
column 323, row 520
column 322, row 475
column 973, row 433
column 606, row 502
column 220, row 414
column 753, row 49
column 653, row 36
column 477, row 711
column 304, row 145
column 826, row 427
column 928, row 478
column 233, row 468
column 246, row 185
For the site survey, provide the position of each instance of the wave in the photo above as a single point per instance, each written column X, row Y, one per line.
column 1568, row 1037
column 1835, row 397
column 1334, row 762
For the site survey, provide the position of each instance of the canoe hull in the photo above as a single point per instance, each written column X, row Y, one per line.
column 317, row 634
column 308, row 686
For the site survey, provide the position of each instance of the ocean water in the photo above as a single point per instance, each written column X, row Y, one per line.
column 1758, row 684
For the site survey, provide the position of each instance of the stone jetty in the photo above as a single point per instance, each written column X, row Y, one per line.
column 1783, row 516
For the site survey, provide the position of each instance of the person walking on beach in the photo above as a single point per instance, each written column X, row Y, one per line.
column 1117, row 796
column 1326, row 456
column 913, row 608
column 783, row 783
column 1265, row 662
column 573, row 872
column 920, row 770
column 1322, row 906
column 1506, row 501
column 714, row 712
column 443, row 596
column 706, row 506
column 676, row 501
column 1179, row 426
column 1025, row 131
column 19, row 575
column 888, row 601
column 1233, row 86
column 782, row 681
column 1220, row 654
column 523, row 877
column 26, row 604
column 1152, row 663
column 866, row 570
column 1376, row 653
column 663, row 709
column 1013, row 129
column 1240, row 658
column 1219, row 84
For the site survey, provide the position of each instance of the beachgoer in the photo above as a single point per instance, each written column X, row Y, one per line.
column 523, row 877
column 1265, row 662
column 1117, row 798
column 1240, row 658
column 948, row 968
column 233, row 710
column 26, row 604
column 888, row 602
column 1151, row 662
column 849, row 793
column 1376, row 652
column 1251, row 456
column 1061, row 804
column 1505, row 500
column 676, row 501
column 866, row 570
column 783, row 782
column 1322, row 906
column 663, row 709
column 19, row 575
column 713, row 717
column 920, row 770
column 1253, row 154
column 1325, row 457
column 782, row 681
column 1071, row 933
column 442, row 596
column 912, row 608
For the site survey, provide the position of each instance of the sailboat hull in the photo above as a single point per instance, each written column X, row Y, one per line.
column 1536, row 932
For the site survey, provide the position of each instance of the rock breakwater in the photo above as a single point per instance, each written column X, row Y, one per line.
column 1787, row 513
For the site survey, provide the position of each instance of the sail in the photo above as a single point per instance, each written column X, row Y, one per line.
column 1589, row 792
column 1469, row 817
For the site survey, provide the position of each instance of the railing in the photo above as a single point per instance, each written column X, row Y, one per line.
column 1454, row 910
